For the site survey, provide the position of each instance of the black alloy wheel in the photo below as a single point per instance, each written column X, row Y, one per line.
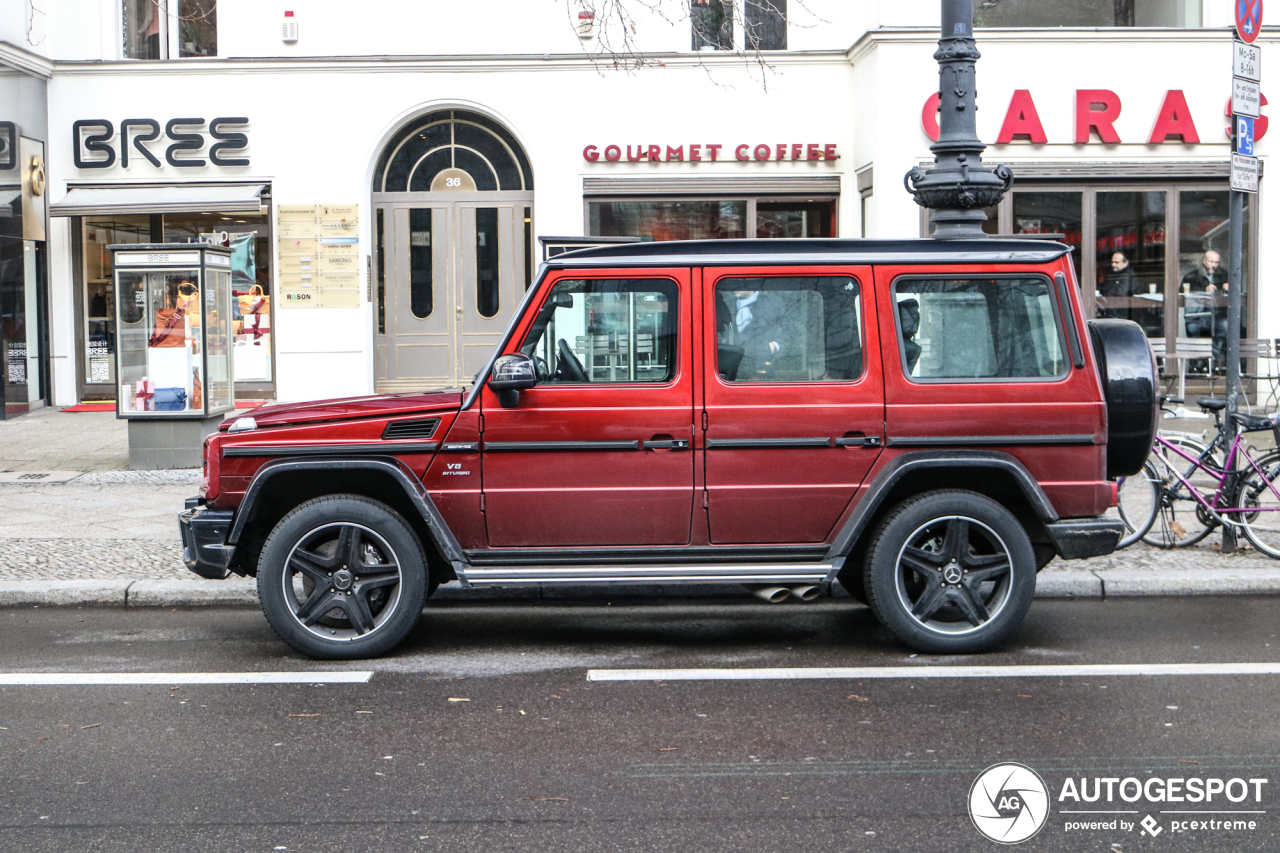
column 950, row 572
column 342, row 577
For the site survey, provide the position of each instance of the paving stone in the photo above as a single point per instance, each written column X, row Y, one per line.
column 64, row 592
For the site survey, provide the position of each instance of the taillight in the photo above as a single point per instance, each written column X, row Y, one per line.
column 210, row 487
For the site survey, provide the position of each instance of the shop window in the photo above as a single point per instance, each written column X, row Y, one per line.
column 668, row 220
column 764, row 25
column 606, row 330
column 712, row 23
column 1088, row 13
column 795, row 219
column 947, row 329
column 1057, row 215
column 1203, row 276
column 1132, row 237
column 252, row 317
column 98, row 310
column 788, row 329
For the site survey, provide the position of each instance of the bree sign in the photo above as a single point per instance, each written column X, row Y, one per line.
column 96, row 145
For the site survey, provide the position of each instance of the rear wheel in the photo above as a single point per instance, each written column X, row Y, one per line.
column 342, row 577
column 950, row 572
column 1261, row 527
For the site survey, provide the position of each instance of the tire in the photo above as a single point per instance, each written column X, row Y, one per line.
column 1261, row 528
column 1180, row 521
column 1137, row 504
column 950, row 572
column 1131, row 386
column 374, row 562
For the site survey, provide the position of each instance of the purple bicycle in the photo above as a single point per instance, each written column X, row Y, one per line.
column 1195, row 488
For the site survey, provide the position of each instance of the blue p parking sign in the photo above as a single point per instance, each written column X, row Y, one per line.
column 1244, row 135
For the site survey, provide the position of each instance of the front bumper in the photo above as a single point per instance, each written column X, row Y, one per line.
column 204, row 540
column 1078, row 538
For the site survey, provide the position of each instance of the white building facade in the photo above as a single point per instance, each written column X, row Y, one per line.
column 384, row 178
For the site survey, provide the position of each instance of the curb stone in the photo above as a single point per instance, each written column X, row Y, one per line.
column 1084, row 585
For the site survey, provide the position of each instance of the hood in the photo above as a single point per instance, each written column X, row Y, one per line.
column 352, row 408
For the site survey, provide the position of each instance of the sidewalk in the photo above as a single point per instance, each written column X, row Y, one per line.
column 110, row 536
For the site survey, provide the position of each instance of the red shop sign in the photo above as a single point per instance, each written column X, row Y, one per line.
column 710, row 152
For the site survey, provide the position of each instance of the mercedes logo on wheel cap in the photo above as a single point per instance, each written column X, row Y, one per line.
column 952, row 574
column 342, row 580
column 1008, row 803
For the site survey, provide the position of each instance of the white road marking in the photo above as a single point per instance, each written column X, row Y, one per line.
column 856, row 672
column 172, row 678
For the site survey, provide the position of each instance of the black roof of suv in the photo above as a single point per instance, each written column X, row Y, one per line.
column 818, row 251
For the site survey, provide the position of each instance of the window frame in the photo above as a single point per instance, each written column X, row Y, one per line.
column 541, row 304
column 751, row 220
column 713, row 357
column 980, row 380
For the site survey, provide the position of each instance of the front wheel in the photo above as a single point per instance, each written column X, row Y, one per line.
column 950, row 572
column 1137, row 502
column 342, row 577
column 1259, row 494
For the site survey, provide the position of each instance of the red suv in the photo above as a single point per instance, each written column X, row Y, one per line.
column 928, row 423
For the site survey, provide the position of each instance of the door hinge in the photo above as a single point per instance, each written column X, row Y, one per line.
column 482, row 423
column 704, row 420
column 482, row 501
column 706, row 500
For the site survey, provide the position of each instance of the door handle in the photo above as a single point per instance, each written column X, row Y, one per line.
column 858, row 441
column 666, row 443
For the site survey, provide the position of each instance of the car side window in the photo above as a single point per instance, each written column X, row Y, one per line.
column 978, row 329
column 788, row 329
column 606, row 331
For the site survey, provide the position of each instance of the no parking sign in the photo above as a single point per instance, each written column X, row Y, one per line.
column 1248, row 19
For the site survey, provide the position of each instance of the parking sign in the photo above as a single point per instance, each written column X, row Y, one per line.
column 1244, row 135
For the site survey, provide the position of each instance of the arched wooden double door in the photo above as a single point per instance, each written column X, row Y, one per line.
column 453, row 235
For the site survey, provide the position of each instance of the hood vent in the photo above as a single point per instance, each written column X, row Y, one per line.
column 410, row 429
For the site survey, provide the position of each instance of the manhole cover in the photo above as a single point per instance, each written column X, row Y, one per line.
column 37, row 478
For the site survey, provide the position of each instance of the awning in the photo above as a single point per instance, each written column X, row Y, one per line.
column 172, row 198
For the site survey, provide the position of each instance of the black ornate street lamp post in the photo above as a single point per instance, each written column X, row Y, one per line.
column 958, row 186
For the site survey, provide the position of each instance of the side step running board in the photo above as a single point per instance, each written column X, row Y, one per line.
column 787, row 573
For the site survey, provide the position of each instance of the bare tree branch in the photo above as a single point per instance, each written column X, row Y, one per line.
column 618, row 45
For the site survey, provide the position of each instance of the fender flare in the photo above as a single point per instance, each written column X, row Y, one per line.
column 390, row 465
column 900, row 466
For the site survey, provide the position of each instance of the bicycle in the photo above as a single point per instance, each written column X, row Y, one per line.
column 1139, row 495
column 1242, row 497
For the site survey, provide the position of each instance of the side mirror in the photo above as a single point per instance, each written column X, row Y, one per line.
column 512, row 374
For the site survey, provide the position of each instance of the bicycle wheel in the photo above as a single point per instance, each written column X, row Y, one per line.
column 1261, row 527
column 1139, row 499
column 1180, row 519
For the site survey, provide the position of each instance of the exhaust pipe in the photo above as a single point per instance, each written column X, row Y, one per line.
column 771, row 594
column 806, row 592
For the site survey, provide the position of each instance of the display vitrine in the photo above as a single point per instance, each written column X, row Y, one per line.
column 173, row 313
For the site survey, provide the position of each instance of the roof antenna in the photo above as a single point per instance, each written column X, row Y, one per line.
column 958, row 186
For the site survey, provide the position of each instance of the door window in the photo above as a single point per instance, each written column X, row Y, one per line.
column 978, row 329
column 421, row 267
column 606, row 330
column 801, row 329
column 487, row 261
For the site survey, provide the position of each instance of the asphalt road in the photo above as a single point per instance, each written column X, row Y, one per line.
column 540, row 758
